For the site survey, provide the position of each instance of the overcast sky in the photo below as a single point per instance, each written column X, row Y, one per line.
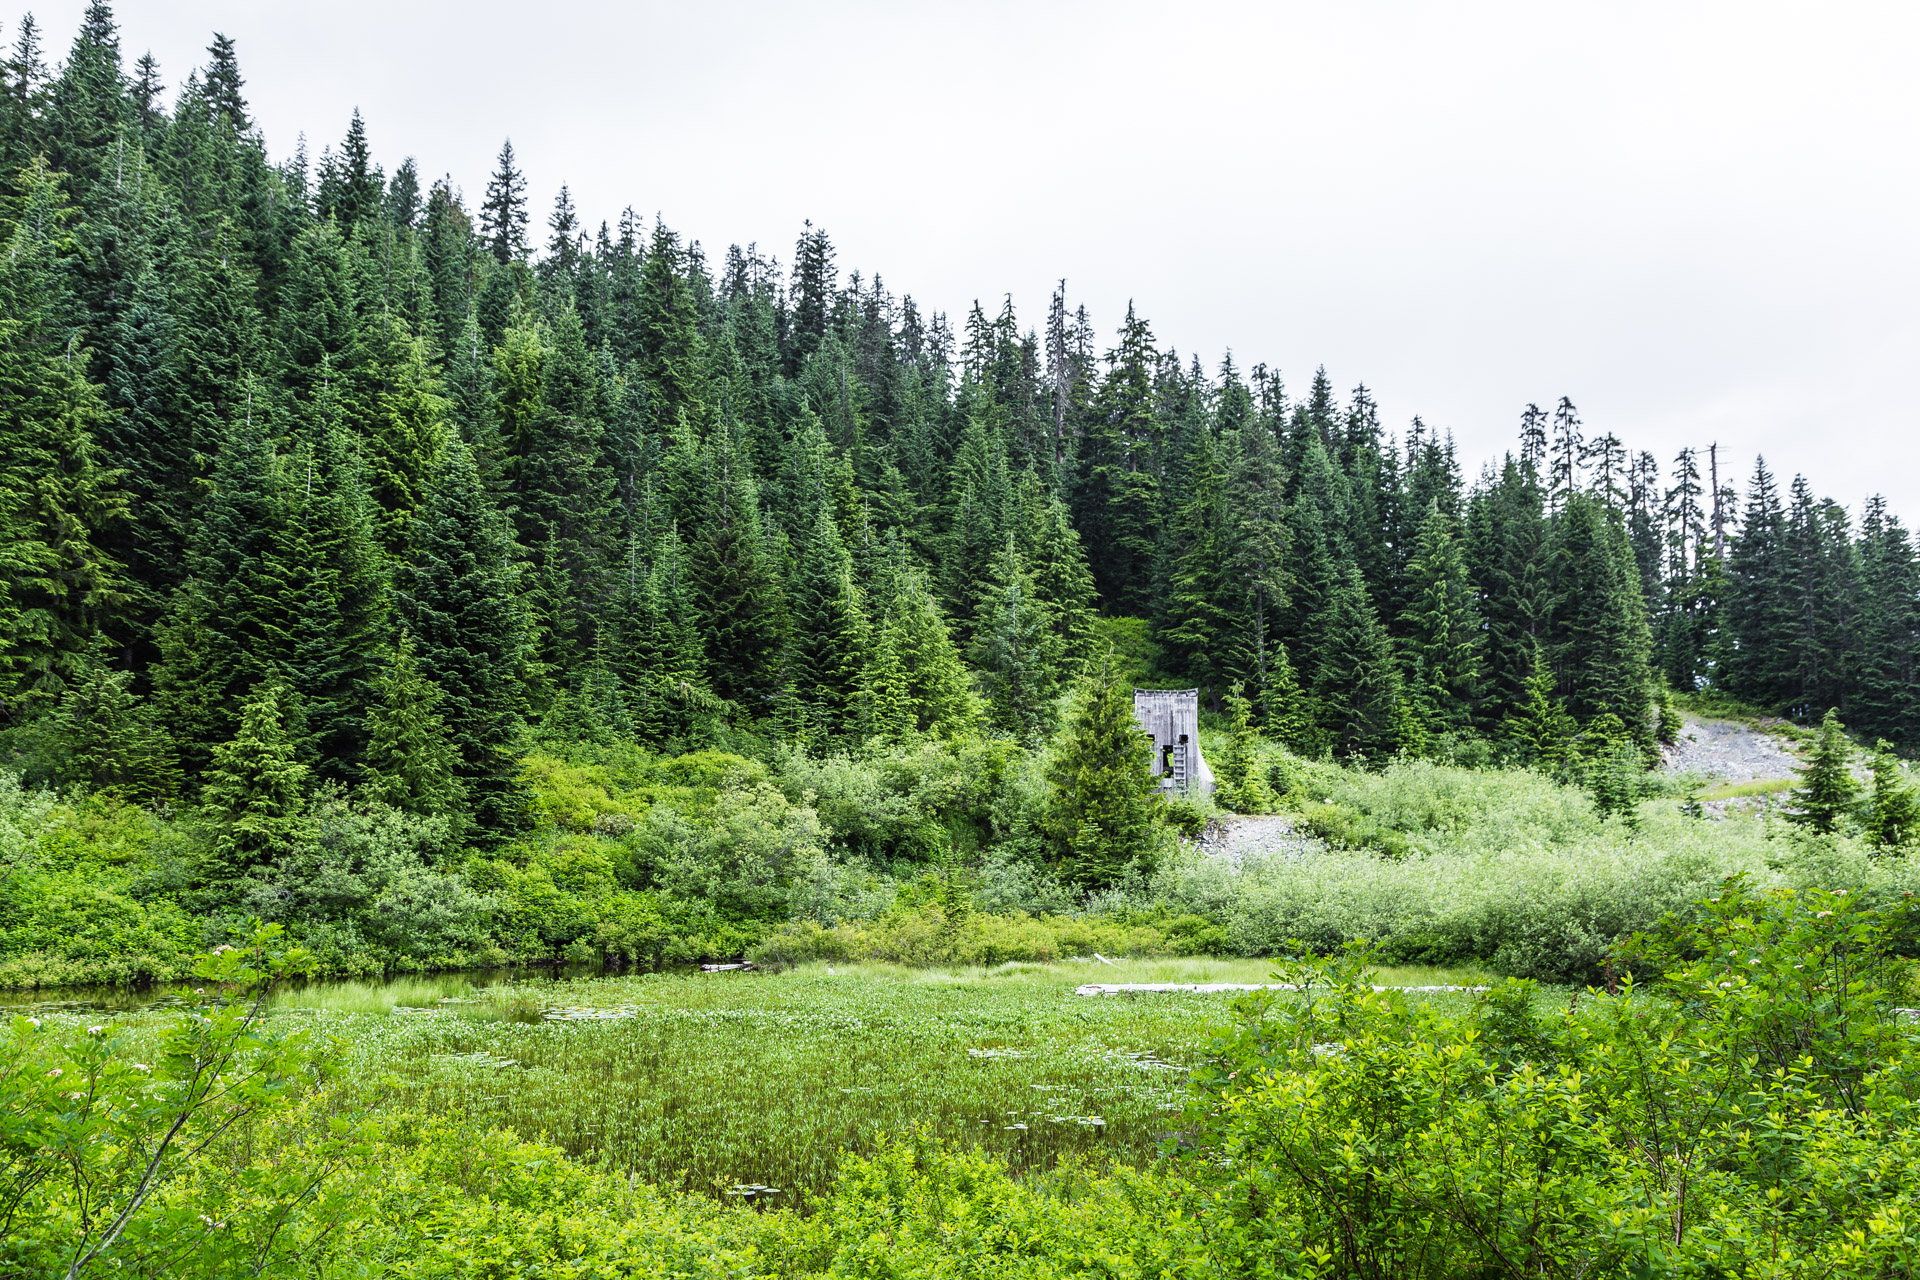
column 1697, row 220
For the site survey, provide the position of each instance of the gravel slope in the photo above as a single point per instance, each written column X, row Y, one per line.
column 1730, row 751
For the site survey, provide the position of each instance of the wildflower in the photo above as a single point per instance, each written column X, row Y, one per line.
column 55, row 1073
column 94, row 1031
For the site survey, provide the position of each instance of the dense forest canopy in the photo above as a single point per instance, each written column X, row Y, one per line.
column 313, row 474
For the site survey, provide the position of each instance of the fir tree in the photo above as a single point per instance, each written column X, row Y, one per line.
column 112, row 744
column 1014, row 650
column 1356, row 685
column 1203, row 623
column 1117, row 494
column 1443, row 629
column 1100, row 809
column 1616, row 778
column 255, row 796
column 826, row 639
column 503, row 216
column 1893, row 808
column 917, row 684
column 1539, row 732
column 410, row 764
column 59, row 501
column 733, row 580
column 459, row 598
column 1826, row 792
column 1242, row 782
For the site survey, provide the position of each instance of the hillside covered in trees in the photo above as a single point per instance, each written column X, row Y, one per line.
column 318, row 478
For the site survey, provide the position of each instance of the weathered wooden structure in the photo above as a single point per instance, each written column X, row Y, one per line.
column 1171, row 717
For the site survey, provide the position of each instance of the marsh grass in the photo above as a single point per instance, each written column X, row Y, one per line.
column 375, row 997
column 711, row 1083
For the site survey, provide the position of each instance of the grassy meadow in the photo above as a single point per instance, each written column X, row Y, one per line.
column 721, row 1083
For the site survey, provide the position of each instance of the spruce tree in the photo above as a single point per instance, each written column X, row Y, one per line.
column 458, row 596
column 1509, row 558
column 410, row 763
column 733, row 580
column 1014, row 649
column 1757, row 612
column 255, row 795
column 1444, row 636
column 1117, row 492
column 1356, row 684
column 1203, row 627
column 1604, row 649
column 1061, row 580
column 1242, row 782
column 1539, row 732
column 826, row 640
column 503, row 215
column 1101, row 815
column 917, row 684
column 60, row 503
column 1893, row 808
column 1827, row 790
column 111, row 741
column 1258, row 547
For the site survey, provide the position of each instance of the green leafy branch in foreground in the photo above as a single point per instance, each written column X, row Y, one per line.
column 91, row 1140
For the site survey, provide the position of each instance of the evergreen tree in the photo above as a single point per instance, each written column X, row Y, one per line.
column 918, row 685
column 1100, row 809
column 459, row 598
column 1014, row 650
column 1061, row 580
column 1893, row 808
column 1885, row 670
column 1242, row 783
column 59, row 501
column 1616, row 778
column 1509, row 558
column 1443, row 629
column 1604, row 648
column 1203, row 627
column 1827, row 789
column 826, row 639
column 1539, row 732
column 410, row 764
column 255, row 796
column 1750, row 662
column 1258, row 546
column 503, row 216
column 1117, row 494
column 1356, row 684
column 111, row 743
column 734, row 582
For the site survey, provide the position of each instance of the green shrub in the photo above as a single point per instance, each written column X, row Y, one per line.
column 1747, row 1113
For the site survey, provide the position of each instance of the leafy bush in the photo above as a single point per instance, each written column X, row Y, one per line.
column 1748, row 1112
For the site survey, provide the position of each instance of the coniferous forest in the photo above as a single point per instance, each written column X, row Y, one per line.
column 311, row 458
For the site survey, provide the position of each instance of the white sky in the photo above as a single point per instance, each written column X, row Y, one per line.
column 1698, row 220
